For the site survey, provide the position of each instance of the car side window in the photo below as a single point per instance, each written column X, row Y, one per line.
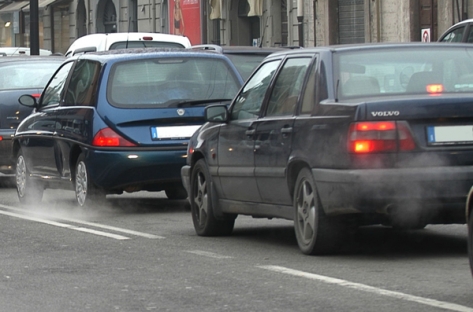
column 455, row 35
column 82, row 87
column 55, row 89
column 248, row 102
column 287, row 87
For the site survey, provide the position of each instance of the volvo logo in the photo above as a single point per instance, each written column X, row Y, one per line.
column 180, row 112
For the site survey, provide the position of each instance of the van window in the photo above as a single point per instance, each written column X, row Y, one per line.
column 144, row 44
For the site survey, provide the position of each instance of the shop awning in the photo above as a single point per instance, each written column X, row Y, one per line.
column 42, row 4
column 14, row 7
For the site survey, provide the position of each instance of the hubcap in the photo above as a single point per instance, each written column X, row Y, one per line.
column 201, row 198
column 81, row 183
column 21, row 176
column 306, row 215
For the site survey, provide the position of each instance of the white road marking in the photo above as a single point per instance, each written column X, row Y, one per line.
column 64, row 225
column 208, row 254
column 97, row 225
column 370, row 289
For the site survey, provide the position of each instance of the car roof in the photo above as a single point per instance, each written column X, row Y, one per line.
column 31, row 58
column 138, row 53
column 237, row 49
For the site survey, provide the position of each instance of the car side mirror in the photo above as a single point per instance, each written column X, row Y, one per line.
column 28, row 100
column 216, row 113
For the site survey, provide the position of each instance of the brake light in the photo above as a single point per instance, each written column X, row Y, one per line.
column 434, row 88
column 379, row 136
column 36, row 95
column 106, row 137
column 147, row 38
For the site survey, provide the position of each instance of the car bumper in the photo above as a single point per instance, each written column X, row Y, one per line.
column 185, row 176
column 367, row 190
column 152, row 170
column 6, row 162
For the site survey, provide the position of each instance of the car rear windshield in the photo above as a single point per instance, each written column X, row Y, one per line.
column 245, row 63
column 408, row 70
column 144, row 44
column 165, row 82
column 26, row 75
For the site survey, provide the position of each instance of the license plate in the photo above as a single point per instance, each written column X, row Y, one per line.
column 173, row 133
column 442, row 135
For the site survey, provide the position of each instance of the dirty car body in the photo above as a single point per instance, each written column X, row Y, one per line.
column 336, row 137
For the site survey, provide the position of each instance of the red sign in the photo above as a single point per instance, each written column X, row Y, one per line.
column 184, row 17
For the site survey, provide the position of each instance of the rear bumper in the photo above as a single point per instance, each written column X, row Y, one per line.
column 151, row 170
column 185, row 176
column 368, row 190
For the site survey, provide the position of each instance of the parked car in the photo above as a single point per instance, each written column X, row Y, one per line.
column 245, row 58
column 15, row 51
column 339, row 137
column 460, row 32
column 19, row 75
column 118, row 121
column 115, row 41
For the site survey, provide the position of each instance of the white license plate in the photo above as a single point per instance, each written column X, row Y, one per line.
column 169, row 133
column 450, row 135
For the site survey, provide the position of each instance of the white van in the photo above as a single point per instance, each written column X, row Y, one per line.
column 114, row 41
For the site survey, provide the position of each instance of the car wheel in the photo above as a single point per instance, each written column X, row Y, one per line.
column 28, row 190
column 201, row 202
column 315, row 232
column 176, row 193
column 87, row 194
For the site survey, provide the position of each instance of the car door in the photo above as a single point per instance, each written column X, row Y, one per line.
column 273, row 136
column 236, row 139
column 40, row 132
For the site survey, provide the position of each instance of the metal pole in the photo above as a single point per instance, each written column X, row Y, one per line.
column 300, row 20
column 34, row 27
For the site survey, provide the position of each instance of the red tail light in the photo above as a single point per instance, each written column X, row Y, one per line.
column 379, row 136
column 434, row 88
column 109, row 138
column 36, row 95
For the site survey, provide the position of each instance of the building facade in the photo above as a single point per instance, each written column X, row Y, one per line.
column 236, row 22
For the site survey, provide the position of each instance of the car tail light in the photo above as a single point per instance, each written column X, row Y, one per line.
column 36, row 95
column 147, row 38
column 379, row 136
column 106, row 137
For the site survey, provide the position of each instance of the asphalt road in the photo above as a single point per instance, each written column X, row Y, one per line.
column 139, row 252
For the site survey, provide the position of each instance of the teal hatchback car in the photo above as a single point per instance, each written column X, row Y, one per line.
column 118, row 121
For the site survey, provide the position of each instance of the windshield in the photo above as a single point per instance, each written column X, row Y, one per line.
column 407, row 70
column 164, row 81
column 144, row 44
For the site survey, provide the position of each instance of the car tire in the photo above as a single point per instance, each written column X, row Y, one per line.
column 176, row 193
column 316, row 233
column 87, row 194
column 28, row 190
column 202, row 210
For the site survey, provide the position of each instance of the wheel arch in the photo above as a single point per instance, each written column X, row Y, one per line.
column 76, row 150
column 292, row 172
column 469, row 204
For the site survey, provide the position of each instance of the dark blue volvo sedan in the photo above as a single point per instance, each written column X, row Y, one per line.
column 118, row 121
column 338, row 137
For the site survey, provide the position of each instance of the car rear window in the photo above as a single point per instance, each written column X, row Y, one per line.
column 144, row 44
column 164, row 82
column 245, row 63
column 409, row 70
column 26, row 75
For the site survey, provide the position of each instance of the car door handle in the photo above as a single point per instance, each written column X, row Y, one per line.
column 250, row 132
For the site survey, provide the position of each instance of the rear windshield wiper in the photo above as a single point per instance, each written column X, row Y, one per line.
column 182, row 103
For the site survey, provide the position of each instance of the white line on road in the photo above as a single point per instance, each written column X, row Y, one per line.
column 370, row 289
column 64, row 225
column 208, row 254
column 97, row 225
